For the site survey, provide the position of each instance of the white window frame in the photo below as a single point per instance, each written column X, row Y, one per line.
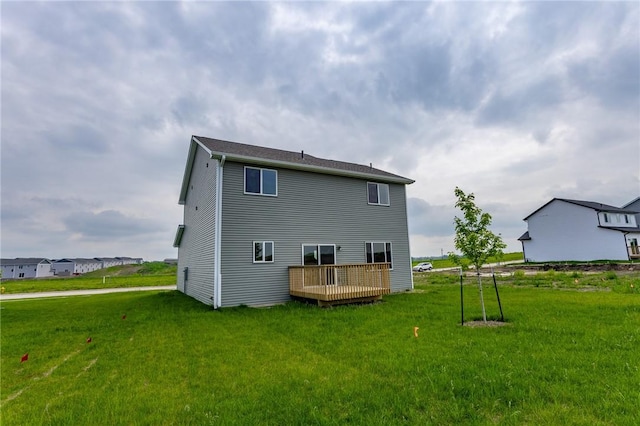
column 261, row 193
column 379, row 203
column 273, row 252
column 606, row 217
column 390, row 261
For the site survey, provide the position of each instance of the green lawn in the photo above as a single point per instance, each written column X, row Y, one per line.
column 85, row 282
column 448, row 263
column 567, row 356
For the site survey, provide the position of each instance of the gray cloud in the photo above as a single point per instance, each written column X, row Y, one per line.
column 430, row 220
column 107, row 225
column 518, row 102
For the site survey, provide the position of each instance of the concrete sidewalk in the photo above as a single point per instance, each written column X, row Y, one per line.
column 67, row 293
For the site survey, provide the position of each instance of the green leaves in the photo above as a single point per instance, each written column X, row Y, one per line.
column 473, row 237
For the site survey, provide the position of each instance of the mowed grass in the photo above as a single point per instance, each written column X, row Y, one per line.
column 565, row 357
column 448, row 263
column 85, row 283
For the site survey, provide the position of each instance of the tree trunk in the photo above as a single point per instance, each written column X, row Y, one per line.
column 484, row 313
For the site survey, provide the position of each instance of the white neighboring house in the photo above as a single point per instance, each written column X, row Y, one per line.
column 82, row 266
column 31, row 267
column 130, row 260
column 108, row 262
column 63, row 267
column 66, row 267
column 564, row 230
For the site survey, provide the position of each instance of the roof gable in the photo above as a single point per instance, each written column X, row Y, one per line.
column 598, row 207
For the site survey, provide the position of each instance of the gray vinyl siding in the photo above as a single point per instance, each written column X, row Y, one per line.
column 310, row 208
column 197, row 248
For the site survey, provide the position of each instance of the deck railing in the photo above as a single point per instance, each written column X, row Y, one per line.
column 340, row 282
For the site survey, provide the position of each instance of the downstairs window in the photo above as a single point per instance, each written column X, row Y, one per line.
column 378, row 252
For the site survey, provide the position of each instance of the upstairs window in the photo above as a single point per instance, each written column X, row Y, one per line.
column 260, row 181
column 378, row 193
column 262, row 251
column 606, row 218
column 378, row 252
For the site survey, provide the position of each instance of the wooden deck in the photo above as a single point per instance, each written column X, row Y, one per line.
column 333, row 284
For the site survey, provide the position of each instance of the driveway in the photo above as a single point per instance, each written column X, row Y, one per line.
column 21, row 296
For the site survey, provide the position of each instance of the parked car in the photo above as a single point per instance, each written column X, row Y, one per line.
column 423, row 266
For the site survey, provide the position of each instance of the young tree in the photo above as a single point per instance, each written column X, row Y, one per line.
column 473, row 237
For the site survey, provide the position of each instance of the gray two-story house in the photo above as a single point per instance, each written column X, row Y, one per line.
column 262, row 225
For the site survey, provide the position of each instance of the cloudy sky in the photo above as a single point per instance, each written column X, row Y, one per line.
column 515, row 102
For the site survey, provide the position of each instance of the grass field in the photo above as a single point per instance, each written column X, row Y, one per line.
column 448, row 263
column 566, row 356
column 147, row 274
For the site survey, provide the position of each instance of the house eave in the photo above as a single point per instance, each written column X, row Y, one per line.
column 311, row 168
column 178, row 237
column 525, row 237
column 193, row 149
column 628, row 230
column 601, row 209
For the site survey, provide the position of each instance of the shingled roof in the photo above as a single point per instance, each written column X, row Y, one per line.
column 24, row 261
column 599, row 207
column 290, row 159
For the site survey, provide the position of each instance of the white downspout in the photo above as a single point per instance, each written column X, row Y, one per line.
column 217, row 281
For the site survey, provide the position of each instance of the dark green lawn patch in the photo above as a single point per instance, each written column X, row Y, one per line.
column 83, row 282
column 566, row 357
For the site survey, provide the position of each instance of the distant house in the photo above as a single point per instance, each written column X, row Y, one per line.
column 262, row 225
column 108, row 262
column 130, row 260
column 41, row 267
column 75, row 266
column 564, row 230
column 32, row 267
column 63, row 267
column 82, row 266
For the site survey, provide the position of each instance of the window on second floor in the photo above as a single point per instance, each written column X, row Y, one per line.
column 378, row 193
column 260, row 181
column 606, row 218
